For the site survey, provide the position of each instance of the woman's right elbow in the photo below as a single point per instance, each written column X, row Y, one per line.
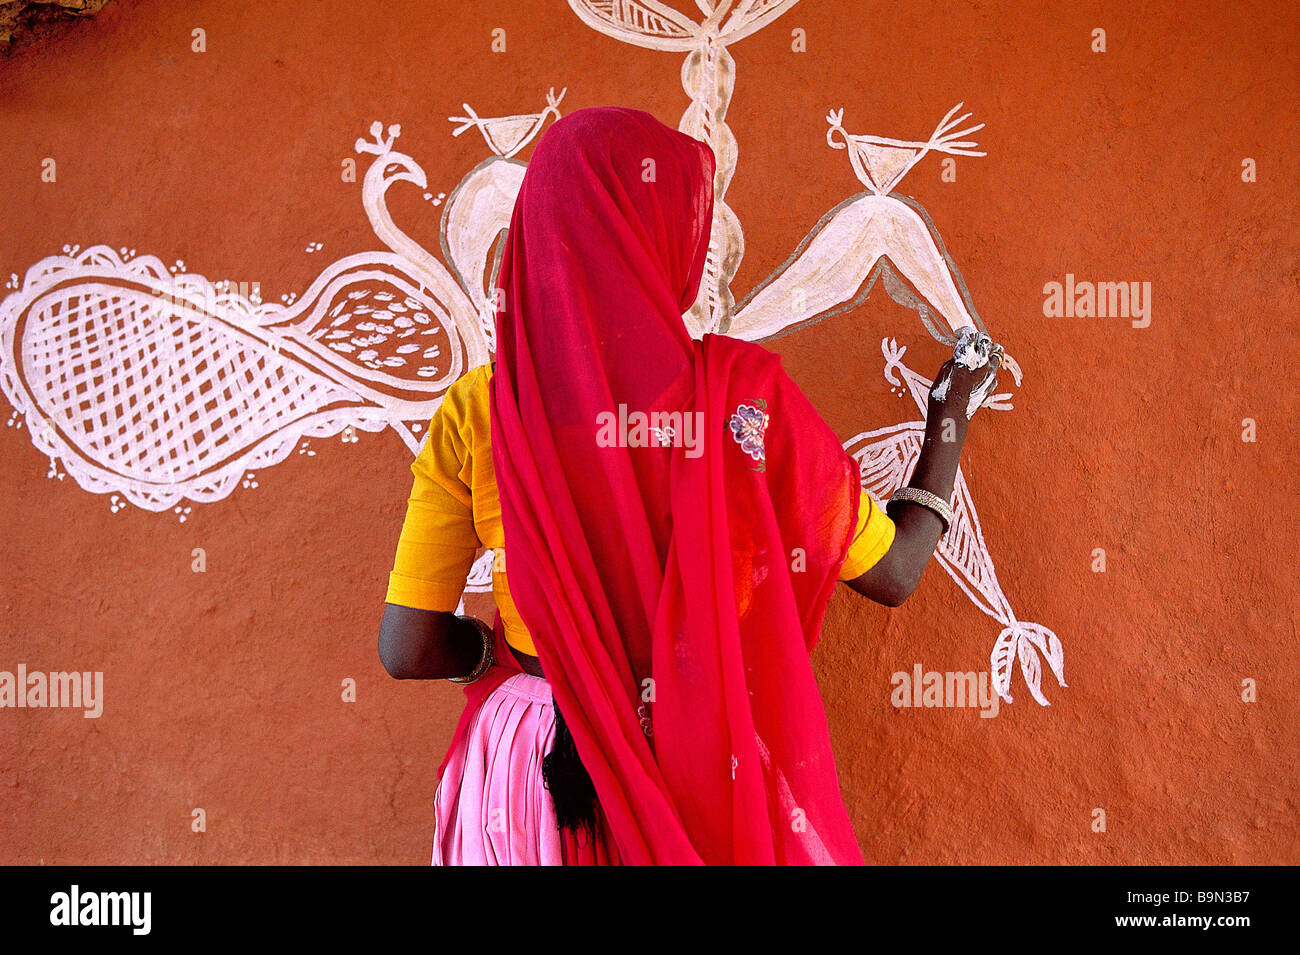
column 393, row 653
column 391, row 660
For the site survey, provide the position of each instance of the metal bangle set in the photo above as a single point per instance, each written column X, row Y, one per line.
column 485, row 662
column 934, row 502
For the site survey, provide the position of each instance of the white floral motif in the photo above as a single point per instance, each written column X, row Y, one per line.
column 664, row 435
column 644, row 717
column 749, row 426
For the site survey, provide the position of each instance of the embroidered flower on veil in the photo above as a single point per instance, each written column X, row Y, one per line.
column 748, row 426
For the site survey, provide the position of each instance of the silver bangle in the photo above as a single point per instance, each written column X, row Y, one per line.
column 934, row 502
column 486, row 661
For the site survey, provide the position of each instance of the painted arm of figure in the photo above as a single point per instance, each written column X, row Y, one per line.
column 893, row 578
column 427, row 644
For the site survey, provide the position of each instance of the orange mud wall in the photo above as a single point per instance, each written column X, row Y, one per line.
column 224, row 690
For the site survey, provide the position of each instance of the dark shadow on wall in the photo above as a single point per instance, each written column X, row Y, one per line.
column 24, row 22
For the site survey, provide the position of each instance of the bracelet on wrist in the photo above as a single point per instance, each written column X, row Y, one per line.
column 915, row 495
column 486, row 661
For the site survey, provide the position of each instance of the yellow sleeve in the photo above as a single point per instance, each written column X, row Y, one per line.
column 438, row 540
column 871, row 539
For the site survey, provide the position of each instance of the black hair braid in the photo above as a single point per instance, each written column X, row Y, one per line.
column 570, row 786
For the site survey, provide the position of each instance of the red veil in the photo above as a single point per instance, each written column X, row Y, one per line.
column 673, row 590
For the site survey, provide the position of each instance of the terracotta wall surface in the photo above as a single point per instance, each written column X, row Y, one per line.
column 223, row 690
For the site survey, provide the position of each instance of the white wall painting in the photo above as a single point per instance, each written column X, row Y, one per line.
column 885, row 459
column 150, row 382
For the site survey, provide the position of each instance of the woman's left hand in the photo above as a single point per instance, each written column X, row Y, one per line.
column 958, row 385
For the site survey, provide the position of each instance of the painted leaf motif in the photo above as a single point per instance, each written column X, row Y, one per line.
column 1050, row 647
column 1004, row 651
column 1031, row 668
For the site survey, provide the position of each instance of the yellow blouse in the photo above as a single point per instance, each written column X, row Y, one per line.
column 453, row 511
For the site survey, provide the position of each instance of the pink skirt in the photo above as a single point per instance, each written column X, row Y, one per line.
column 491, row 807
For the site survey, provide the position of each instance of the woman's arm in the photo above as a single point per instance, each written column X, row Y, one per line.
column 894, row 577
column 427, row 644
column 438, row 542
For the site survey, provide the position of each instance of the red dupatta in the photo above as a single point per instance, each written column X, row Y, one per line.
column 673, row 588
